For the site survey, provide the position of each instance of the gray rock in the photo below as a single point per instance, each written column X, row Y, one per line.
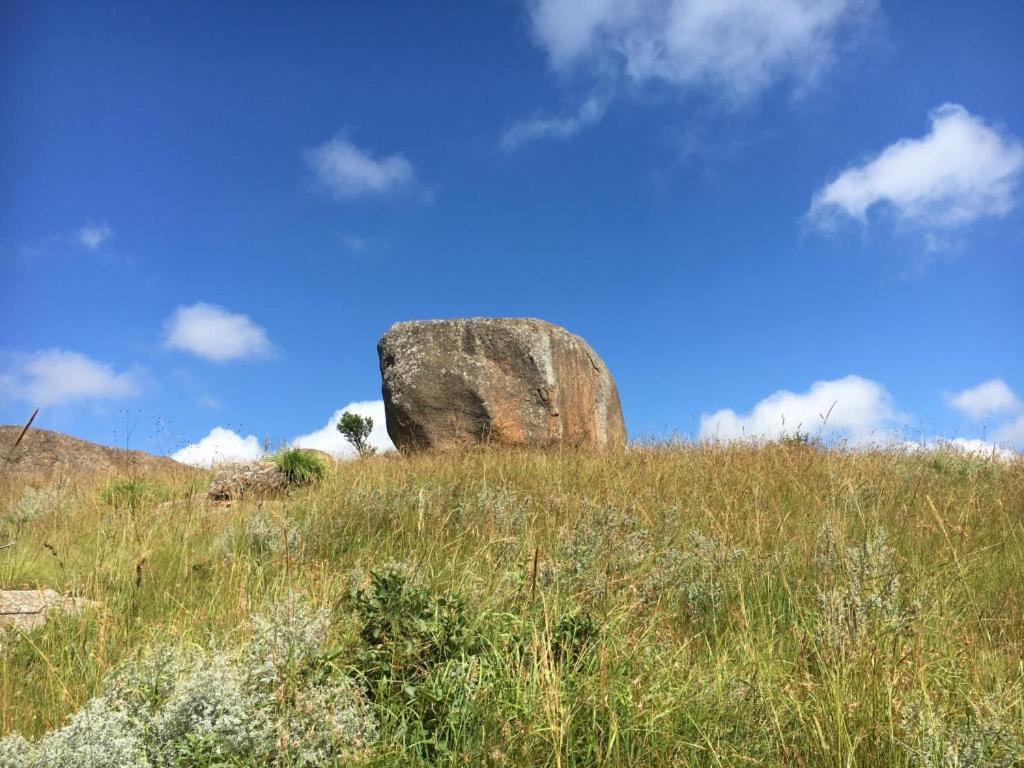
column 508, row 381
column 28, row 608
column 252, row 480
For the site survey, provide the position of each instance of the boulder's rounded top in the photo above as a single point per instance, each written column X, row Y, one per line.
column 459, row 322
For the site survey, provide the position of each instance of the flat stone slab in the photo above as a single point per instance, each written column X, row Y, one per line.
column 29, row 608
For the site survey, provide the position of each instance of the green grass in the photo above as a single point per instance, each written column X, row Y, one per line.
column 713, row 606
column 300, row 467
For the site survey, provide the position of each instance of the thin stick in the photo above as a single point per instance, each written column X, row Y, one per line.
column 10, row 455
column 533, row 579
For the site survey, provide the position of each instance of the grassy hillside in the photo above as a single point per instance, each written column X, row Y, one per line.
column 783, row 605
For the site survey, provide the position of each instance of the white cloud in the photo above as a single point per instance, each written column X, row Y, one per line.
column 224, row 446
column 961, row 170
column 56, row 377
column 1012, row 432
column 213, row 332
column 348, row 171
column 855, row 409
column 970, row 446
column 554, row 127
column 329, row 440
column 733, row 48
column 92, row 236
column 221, row 446
column 987, row 399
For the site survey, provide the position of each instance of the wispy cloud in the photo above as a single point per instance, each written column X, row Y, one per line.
column 989, row 398
column 347, row 171
column 554, row 126
column 92, row 236
column 729, row 52
column 57, row 377
column 852, row 407
column 212, row 332
column 961, row 170
column 735, row 49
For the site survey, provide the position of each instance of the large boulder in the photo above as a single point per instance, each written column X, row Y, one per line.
column 507, row 381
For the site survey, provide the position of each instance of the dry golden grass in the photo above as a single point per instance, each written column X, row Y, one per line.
column 744, row 609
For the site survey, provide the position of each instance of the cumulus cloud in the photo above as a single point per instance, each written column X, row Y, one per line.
column 736, row 49
column 1012, row 432
column 92, row 236
column 213, row 332
column 57, row 377
column 851, row 407
column 347, row 171
column 554, row 127
column 329, row 440
column 969, row 446
column 961, row 170
column 225, row 446
column 221, row 446
column 989, row 398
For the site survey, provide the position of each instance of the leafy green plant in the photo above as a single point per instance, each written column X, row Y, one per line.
column 356, row 430
column 300, row 467
column 572, row 636
column 406, row 629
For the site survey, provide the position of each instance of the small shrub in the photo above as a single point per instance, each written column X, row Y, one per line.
column 406, row 630
column 211, row 715
column 100, row 735
column 934, row 740
column 356, row 430
column 611, row 544
column 300, row 467
column 267, row 535
column 36, row 502
column 706, row 572
column 285, row 641
column 860, row 594
column 280, row 703
column 798, row 439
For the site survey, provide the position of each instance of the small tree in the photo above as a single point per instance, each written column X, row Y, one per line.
column 356, row 429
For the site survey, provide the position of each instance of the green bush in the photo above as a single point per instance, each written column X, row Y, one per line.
column 300, row 467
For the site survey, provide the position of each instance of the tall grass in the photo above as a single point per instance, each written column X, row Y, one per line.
column 712, row 606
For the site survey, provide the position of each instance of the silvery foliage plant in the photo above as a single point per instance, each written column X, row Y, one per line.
column 278, row 703
column 36, row 502
column 859, row 591
column 935, row 739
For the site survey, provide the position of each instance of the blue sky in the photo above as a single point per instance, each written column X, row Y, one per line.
column 753, row 210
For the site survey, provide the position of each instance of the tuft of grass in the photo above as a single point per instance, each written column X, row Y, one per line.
column 300, row 467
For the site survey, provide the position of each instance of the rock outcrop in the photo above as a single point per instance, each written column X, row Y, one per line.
column 506, row 381
column 28, row 608
column 43, row 453
column 252, row 480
